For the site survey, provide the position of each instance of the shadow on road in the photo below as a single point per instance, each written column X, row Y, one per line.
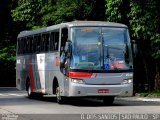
column 81, row 102
column 88, row 102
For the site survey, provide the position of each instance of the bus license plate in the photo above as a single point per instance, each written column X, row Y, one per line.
column 103, row 90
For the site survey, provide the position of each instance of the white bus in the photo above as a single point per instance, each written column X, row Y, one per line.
column 76, row 59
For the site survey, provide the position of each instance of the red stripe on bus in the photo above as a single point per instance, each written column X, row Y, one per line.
column 80, row 75
column 31, row 77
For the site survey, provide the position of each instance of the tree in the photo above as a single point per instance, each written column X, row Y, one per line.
column 117, row 11
column 144, row 22
column 27, row 11
column 8, row 54
column 44, row 13
column 8, row 34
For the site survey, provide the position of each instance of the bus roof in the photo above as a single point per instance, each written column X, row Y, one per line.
column 95, row 23
column 71, row 24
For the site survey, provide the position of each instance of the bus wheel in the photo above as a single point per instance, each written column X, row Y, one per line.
column 29, row 91
column 108, row 100
column 59, row 98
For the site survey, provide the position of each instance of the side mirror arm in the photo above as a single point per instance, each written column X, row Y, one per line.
column 68, row 49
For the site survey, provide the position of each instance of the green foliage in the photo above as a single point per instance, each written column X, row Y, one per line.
column 144, row 21
column 156, row 45
column 42, row 13
column 28, row 12
column 47, row 13
column 66, row 10
column 8, row 54
column 112, row 12
column 117, row 10
column 153, row 94
column 36, row 27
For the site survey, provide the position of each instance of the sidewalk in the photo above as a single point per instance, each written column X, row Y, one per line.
column 149, row 99
column 137, row 98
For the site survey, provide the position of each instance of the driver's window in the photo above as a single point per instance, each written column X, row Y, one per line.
column 64, row 38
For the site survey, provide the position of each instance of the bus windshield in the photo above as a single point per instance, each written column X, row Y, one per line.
column 101, row 48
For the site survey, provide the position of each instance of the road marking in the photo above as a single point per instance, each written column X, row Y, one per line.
column 3, row 95
column 13, row 94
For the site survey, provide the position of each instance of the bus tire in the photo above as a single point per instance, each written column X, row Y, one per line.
column 108, row 100
column 59, row 98
column 29, row 91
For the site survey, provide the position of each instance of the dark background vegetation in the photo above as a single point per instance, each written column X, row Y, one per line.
column 141, row 16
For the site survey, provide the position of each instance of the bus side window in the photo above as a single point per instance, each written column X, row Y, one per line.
column 34, row 47
column 38, row 45
column 63, row 60
column 30, row 44
column 64, row 38
column 19, row 46
column 23, row 46
column 47, row 43
column 54, row 41
column 27, row 45
column 42, row 43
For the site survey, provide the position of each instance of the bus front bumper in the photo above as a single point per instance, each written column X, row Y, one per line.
column 83, row 90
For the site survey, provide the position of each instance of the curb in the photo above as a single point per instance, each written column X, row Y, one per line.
column 135, row 98
column 149, row 99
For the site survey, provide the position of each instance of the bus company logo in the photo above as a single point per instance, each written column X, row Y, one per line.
column 9, row 117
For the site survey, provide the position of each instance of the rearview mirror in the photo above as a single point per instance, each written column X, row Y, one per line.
column 68, row 48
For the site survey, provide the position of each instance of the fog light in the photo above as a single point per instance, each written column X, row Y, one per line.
column 78, row 81
column 127, row 81
column 130, row 81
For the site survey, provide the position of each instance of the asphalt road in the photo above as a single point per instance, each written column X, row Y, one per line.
column 16, row 105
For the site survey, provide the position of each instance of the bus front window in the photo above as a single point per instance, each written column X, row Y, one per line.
column 117, row 50
column 86, row 48
column 100, row 48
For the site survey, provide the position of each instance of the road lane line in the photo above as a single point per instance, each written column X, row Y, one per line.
column 3, row 95
column 16, row 94
column 12, row 94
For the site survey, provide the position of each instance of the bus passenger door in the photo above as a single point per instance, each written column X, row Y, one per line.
column 64, row 61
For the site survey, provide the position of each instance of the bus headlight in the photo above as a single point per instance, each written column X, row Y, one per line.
column 78, row 81
column 127, row 81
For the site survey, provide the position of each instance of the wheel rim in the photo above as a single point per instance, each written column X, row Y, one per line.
column 29, row 90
